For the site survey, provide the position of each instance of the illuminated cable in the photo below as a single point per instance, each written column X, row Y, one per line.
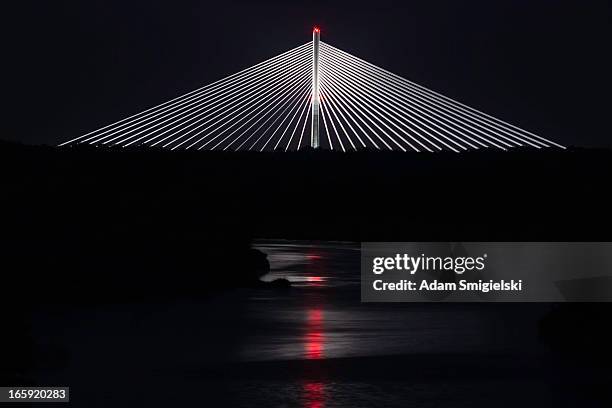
column 255, row 94
column 441, row 104
column 207, row 109
column 306, row 105
column 332, row 109
column 242, row 108
column 422, row 116
column 306, row 102
column 392, row 108
column 358, row 105
column 152, row 127
column 280, row 115
column 439, row 116
column 329, row 140
column 465, row 108
column 334, row 128
column 303, row 129
column 372, row 105
column 271, row 114
column 156, row 110
column 443, row 116
column 251, row 111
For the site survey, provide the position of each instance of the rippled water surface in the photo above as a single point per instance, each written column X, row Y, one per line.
column 313, row 345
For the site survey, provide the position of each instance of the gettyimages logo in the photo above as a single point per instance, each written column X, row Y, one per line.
column 432, row 271
column 413, row 264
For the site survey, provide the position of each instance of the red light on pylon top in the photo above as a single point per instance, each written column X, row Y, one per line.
column 316, row 30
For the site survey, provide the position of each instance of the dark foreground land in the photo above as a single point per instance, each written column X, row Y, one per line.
column 84, row 227
column 479, row 195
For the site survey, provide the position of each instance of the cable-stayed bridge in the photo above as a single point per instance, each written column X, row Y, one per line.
column 319, row 96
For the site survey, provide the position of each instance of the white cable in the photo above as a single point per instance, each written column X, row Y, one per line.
column 332, row 109
column 334, row 128
column 199, row 106
column 329, row 97
column 302, row 134
column 295, row 107
column 492, row 140
column 188, row 96
column 485, row 116
column 270, row 114
column 329, row 140
column 436, row 99
column 251, row 111
column 278, row 116
column 390, row 105
column 306, row 105
column 362, row 109
column 262, row 93
column 207, row 111
column 372, row 104
column 408, row 107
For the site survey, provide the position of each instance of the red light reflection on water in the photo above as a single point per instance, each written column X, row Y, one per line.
column 316, row 269
column 314, row 335
column 314, row 394
column 314, row 338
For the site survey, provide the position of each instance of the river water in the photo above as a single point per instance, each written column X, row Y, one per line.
column 313, row 345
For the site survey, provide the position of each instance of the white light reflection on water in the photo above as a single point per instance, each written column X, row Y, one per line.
column 320, row 322
column 322, row 316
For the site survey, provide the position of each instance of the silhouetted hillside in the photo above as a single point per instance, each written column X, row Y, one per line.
column 483, row 195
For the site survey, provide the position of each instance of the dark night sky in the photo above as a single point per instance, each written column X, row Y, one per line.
column 74, row 66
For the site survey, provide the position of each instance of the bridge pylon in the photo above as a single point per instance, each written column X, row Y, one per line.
column 314, row 133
